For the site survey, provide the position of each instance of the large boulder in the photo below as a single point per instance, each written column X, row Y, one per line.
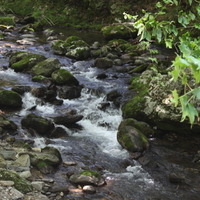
column 119, row 31
column 131, row 138
column 24, row 61
column 10, row 99
column 151, row 102
column 38, row 124
column 64, row 77
column 46, row 67
column 73, row 47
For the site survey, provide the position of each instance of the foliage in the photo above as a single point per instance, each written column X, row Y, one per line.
column 177, row 34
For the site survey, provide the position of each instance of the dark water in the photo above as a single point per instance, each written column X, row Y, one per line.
column 94, row 145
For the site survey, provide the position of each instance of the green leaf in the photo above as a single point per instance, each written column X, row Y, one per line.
column 190, row 2
column 196, row 92
column 189, row 111
column 175, row 97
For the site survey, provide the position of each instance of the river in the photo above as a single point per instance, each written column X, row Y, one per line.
column 93, row 143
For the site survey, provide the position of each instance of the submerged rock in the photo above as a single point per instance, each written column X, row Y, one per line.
column 10, row 99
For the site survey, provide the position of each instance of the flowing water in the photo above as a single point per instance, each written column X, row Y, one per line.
column 93, row 144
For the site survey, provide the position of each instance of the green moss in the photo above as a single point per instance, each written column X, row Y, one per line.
column 90, row 173
column 40, row 79
column 41, row 164
column 62, row 77
column 7, row 21
column 23, row 61
column 133, row 107
column 10, row 99
column 19, row 183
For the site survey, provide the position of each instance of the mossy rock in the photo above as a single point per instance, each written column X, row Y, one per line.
column 39, row 124
column 9, row 21
column 103, row 63
column 10, row 99
column 20, row 184
column 131, row 138
column 59, row 47
column 90, row 173
column 73, row 47
column 121, row 45
column 63, row 77
column 119, row 31
column 23, row 61
column 46, row 67
column 133, row 108
column 40, row 79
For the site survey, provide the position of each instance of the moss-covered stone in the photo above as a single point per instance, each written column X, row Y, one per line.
column 10, row 99
column 19, row 183
column 63, row 77
column 46, row 67
column 73, row 47
column 119, row 31
column 23, row 61
column 7, row 21
column 39, row 124
column 90, row 173
column 103, row 63
column 40, row 79
column 133, row 108
column 131, row 138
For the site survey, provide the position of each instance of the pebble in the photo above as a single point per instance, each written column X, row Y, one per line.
column 89, row 189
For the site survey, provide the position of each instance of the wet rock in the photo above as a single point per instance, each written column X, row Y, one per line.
column 89, row 189
column 21, row 89
column 102, row 76
column 7, row 126
column 58, row 132
column 115, row 97
column 8, row 154
column 10, row 99
column 46, row 67
column 38, row 185
column 119, row 31
column 68, row 119
column 23, row 160
column 19, row 183
column 24, row 61
column 87, row 178
column 103, row 63
column 73, row 47
column 69, row 92
column 131, row 138
column 39, row 124
column 176, row 179
column 63, row 77
column 59, row 189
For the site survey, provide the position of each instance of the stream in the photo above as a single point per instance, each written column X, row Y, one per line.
column 93, row 143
